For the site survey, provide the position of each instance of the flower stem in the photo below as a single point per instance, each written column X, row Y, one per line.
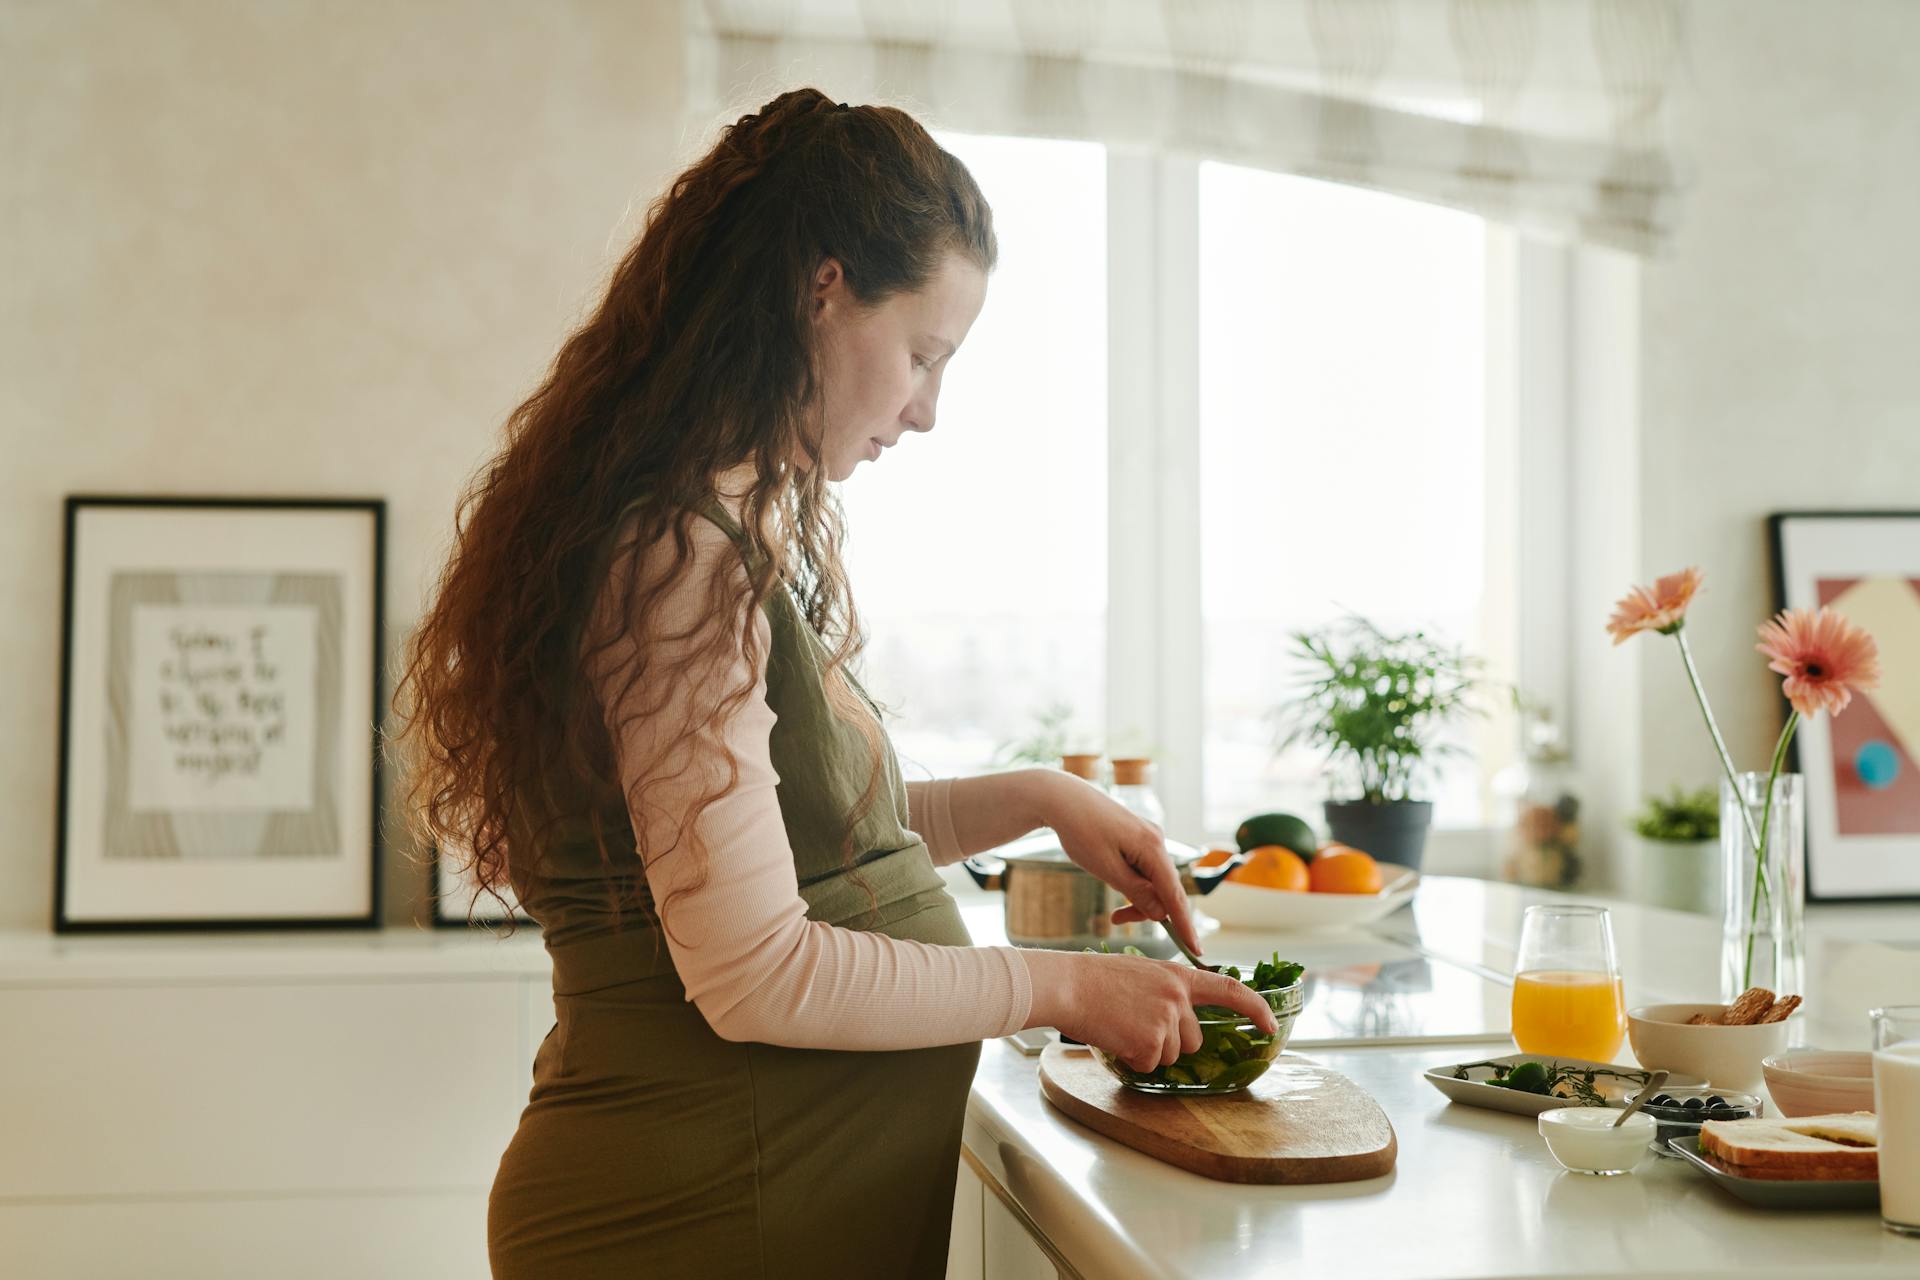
column 1760, row 850
column 1713, row 730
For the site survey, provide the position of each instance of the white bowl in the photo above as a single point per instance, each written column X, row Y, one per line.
column 1584, row 1140
column 1819, row 1082
column 1247, row 906
column 1728, row 1057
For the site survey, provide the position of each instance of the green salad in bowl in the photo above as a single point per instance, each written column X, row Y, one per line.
column 1234, row 1051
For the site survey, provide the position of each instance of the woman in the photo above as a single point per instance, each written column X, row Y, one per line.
column 632, row 699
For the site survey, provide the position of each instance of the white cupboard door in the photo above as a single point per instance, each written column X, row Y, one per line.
column 966, row 1258
column 427, row 1236
column 270, row 1087
column 1012, row 1254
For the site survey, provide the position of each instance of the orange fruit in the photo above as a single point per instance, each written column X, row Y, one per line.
column 1272, row 866
column 1339, row 869
column 1215, row 855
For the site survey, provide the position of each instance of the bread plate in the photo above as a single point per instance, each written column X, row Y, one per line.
column 1781, row 1193
column 1245, row 906
column 1614, row 1082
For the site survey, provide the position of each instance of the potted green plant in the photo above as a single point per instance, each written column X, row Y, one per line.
column 1376, row 703
column 1677, row 853
column 1053, row 734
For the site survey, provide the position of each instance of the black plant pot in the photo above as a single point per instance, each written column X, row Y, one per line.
column 1394, row 832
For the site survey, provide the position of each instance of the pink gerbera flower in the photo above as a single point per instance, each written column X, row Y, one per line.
column 1825, row 658
column 1663, row 609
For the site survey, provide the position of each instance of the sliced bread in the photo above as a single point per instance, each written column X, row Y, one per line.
column 1835, row 1148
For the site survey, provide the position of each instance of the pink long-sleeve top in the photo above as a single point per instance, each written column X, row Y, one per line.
column 751, row 961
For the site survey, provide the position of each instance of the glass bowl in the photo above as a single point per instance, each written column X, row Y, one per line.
column 1233, row 1052
column 1681, row 1121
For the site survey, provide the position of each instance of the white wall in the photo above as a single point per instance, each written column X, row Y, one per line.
column 291, row 249
column 1779, row 342
column 324, row 250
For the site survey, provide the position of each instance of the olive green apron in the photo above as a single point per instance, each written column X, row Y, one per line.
column 649, row 1146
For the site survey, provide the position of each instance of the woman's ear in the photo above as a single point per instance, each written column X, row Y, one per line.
column 829, row 284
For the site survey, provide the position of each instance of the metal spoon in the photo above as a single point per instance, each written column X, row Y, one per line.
column 1192, row 959
column 1654, row 1082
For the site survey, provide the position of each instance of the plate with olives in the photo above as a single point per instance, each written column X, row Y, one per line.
column 1528, row 1083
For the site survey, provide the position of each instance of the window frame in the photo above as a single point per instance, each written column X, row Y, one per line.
column 1155, row 642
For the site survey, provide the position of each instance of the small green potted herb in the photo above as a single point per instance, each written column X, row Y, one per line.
column 1377, row 704
column 1053, row 734
column 1676, row 852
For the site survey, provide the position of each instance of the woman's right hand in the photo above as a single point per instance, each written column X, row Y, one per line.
column 1137, row 1009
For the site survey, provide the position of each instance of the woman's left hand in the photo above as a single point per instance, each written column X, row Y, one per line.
column 1123, row 849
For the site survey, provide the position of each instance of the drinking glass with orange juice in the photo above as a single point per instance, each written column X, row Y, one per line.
column 1567, row 997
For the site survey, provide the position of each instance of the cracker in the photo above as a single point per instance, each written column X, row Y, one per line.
column 1703, row 1020
column 1783, row 1010
column 1751, row 1006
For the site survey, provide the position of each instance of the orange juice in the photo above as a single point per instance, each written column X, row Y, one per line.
column 1571, row 1015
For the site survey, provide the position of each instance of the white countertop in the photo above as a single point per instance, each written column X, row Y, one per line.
column 37, row 958
column 1475, row 1193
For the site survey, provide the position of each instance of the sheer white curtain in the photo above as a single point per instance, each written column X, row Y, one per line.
column 1548, row 114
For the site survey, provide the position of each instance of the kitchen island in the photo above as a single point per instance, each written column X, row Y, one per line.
column 309, row 1105
column 1475, row 1192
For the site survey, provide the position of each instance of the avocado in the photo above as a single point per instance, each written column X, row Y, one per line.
column 1278, row 828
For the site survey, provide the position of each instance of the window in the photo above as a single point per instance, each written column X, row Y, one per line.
column 1328, row 395
column 978, row 551
column 1343, row 461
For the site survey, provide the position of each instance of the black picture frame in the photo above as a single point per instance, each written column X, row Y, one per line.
column 147, row 867
column 1807, row 546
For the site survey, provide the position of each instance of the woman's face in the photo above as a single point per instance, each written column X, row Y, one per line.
column 881, row 366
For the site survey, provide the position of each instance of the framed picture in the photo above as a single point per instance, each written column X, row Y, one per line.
column 455, row 894
column 1863, row 765
column 219, row 714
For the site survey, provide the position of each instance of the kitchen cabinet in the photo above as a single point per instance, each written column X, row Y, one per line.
column 1011, row 1252
column 966, row 1257
column 293, row 1106
column 989, row 1240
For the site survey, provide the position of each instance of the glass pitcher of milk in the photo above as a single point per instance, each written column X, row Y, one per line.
column 1896, row 1101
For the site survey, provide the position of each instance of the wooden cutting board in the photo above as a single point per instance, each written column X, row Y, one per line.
column 1299, row 1123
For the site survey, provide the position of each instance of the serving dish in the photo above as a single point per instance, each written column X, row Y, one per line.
column 1611, row 1081
column 1728, row 1056
column 1676, row 1119
column 1818, row 1082
column 1592, row 1140
column 1776, row 1193
column 1241, row 906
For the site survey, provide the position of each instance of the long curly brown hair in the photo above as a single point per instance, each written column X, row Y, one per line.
column 700, row 359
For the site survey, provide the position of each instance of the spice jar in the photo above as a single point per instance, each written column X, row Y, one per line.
column 1133, row 787
column 1082, row 766
column 1539, row 807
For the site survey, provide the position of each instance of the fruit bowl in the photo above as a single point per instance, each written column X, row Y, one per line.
column 1241, row 906
column 1233, row 1052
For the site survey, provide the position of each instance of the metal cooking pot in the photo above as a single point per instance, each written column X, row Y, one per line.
column 1054, row 904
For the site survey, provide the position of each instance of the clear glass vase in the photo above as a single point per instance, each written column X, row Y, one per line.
column 1763, row 932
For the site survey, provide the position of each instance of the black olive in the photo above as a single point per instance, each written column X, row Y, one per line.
column 1661, row 1100
column 1716, row 1101
column 1694, row 1104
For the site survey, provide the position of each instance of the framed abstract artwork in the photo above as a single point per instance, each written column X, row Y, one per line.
column 1863, row 765
column 219, row 714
